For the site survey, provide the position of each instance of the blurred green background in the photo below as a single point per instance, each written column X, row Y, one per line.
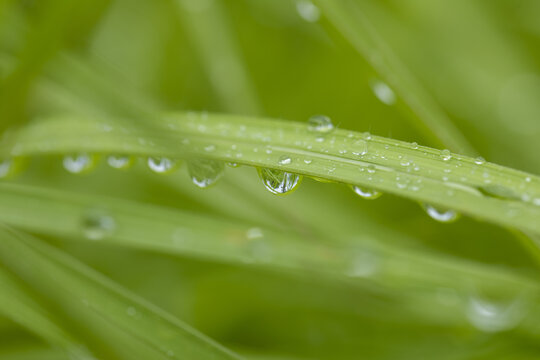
column 443, row 292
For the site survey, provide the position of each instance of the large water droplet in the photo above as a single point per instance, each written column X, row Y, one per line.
column 96, row 225
column 205, row 172
column 494, row 316
column 308, row 11
column 369, row 194
column 78, row 164
column 162, row 165
column 479, row 160
column 448, row 215
column 384, row 93
column 121, row 162
column 279, row 182
column 320, row 124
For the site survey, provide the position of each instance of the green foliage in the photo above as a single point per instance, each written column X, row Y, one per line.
column 140, row 139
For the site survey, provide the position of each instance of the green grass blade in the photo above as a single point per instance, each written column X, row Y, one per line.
column 83, row 291
column 470, row 186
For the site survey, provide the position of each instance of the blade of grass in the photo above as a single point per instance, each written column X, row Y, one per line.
column 352, row 22
column 81, row 290
column 471, row 186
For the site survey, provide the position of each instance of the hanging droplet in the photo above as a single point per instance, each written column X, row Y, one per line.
column 96, row 225
column 384, row 93
column 495, row 316
column 162, row 165
column 121, row 162
column 308, row 11
column 78, row 164
column 320, row 124
column 279, row 182
column 205, row 172
column 369, row 194
column 446, row 154
column 441, row 215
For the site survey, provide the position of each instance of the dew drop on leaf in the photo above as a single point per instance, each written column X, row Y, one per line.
column 369, row 194
column 446, row 154
column 80, row 163
column 161, row 165
column 96, row 225
column 279, row 182
column 121, row 162
column 285, row 160
column 479, row 160
column 320, row 124
column 233, row 164
column 205, row 172
column 494, row 316
column 10, row 167
column 441, row 215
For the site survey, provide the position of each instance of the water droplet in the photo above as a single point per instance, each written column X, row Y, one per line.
column 10, row 167
column 405, row 162
column 383, row 92
column 162, row 165
column 308, row 11
column 131, row 311
column 446, row 154
column 479, row 160
column 284, row 160
column 254, row 233
column 233, row 164
column 494, row 316
column 369, row 194
column 364, row 264
column 279, row 182
column 96, row 225
column 441, row 215
column 205, row 172
column 120, row 161
column 320, row 124
column 414, row 145
column 307, row 161
column 528, row 179
column 371, row 169
column 78, row 164
column 210, row 148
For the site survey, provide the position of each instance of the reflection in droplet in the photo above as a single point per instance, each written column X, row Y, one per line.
column 205, row 172
column 279, row 182
column 121, row 162
column 446, row 215
column 78, row 164
column 161, row 165
column 369, row 194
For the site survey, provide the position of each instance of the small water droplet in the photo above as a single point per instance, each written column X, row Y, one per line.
column 308, row 11
column 78, row 164
column 369, row 194
column 308, row 161
column 233, row 164
column 121, row 162
column 446, row 154
column 371, row 169
column 279, row 182
column 364, row 264
column 284, row 160
column 205, row 172
column 441, row 215
column 10, row 167
column 320, row 124
column 414, row 145
column 384, row 93
column 479, row 160
column 405, row 162
column 528, row 179
column 210, row 148
column 161, row 165
column 96, row 225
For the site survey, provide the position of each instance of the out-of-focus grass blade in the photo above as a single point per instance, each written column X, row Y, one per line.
column 350, row 18
column 80, row 290
column 17, row 304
